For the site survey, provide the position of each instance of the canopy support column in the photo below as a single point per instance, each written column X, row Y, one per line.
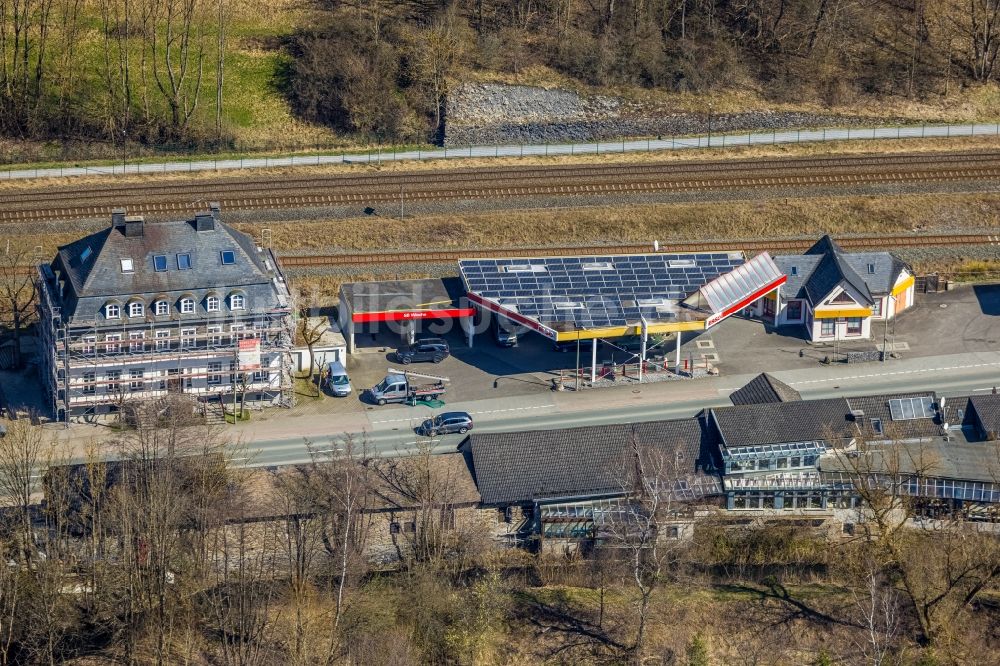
column 593, row 361
column 470, row 329
column 677, row 355
column 642, row 348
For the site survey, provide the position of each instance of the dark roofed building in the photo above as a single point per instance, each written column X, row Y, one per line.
column 764, row 389
column 782, row 422
column 139, row 310
column 835, row 294
column 523, row 468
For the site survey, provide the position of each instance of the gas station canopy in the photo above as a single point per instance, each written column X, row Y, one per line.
column 404, row 300
column 570, row 298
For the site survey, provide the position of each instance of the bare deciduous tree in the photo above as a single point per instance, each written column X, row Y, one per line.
column 17, row 291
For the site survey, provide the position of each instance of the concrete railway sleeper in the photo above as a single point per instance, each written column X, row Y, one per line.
column 450, row 193
column 391, row 182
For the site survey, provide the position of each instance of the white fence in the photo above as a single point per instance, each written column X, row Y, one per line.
column 527, row 150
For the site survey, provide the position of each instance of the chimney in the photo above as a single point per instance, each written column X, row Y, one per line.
column 117, row 217
column 204, row 221
column 215, row 208
column 134, row 226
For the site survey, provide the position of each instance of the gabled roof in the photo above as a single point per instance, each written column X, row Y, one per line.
column 877, row 407
column 764, row 389
column 783, row 422
column 987, row 408
column 825, row 266
column 589, row 462
column 832, row 271
column 99, row 272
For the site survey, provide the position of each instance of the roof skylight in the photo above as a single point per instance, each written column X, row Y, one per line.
column 160, row 262
column 127, row 265
column 228, row 257
column 86, row 254
column 184, row 261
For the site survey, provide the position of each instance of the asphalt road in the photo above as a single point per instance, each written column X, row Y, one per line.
column 620, row 146
column 960, row 374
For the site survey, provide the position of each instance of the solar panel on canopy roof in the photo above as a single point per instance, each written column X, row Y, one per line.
column 613, row 290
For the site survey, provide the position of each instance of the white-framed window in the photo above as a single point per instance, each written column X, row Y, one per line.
column 187, row 305
column 162, row 339
column 136, row 341
column 215, row 334
column 89, row 383
column 89, row 344
column 188, row 337
column 854, row 325
column 877, row 308
column 135, row 379
column 237, row 302
column 827, row 327
column 232, row 372
column 112, row 311
column 113, row 341
column 236, row 332
column 113, row 377
column 260, row 330
column 214, row 374
column 261, row 375
column 212, row 304
column 136, row 309
column 127, row 266
column 188, row 380
column 161, row 308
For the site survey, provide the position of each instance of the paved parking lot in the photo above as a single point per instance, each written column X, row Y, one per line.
column 964, row 320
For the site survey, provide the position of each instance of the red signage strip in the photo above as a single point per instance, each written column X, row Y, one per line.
column 513, row 316
column 736, row 307
column 400, row 315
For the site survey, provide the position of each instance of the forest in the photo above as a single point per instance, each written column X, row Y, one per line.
column 177, row 554
column 162, row 72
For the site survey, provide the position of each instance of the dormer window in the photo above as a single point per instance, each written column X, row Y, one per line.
column 237, row 302
column 112, row 311
column 228, row 257
column 161, row 308
column 136, row 309
column 160, row 263
column 212, row 304
column 187, row 305
column 127, row 265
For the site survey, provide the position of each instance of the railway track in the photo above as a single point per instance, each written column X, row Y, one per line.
column 362, row 190
column 778, row 245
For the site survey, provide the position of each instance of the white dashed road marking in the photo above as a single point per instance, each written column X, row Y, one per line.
column 491, row 411
column 898, row 372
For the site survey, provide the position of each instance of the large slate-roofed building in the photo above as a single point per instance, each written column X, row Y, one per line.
column 140, row 310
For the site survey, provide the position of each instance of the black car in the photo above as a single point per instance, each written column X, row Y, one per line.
column 504, row 334
column 446, row 424
column 434, row 350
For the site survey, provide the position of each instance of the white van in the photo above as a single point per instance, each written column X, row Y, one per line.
column 336, row 380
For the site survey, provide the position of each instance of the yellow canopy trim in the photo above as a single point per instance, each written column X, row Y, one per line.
column 845, row 312
column 902, row 286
